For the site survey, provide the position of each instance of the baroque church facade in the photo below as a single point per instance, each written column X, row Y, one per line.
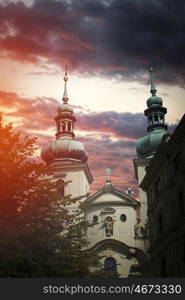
column 119, row 231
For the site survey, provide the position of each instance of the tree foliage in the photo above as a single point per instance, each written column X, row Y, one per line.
column 38, row 235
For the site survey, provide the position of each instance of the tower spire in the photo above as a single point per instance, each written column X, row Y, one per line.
column 153, row 90
column 65, row 95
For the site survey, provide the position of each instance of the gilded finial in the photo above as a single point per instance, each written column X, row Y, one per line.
column 65, row 95
column 153, row 90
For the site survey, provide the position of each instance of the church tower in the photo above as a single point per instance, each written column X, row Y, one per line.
column 147, row 146
column 66, row 156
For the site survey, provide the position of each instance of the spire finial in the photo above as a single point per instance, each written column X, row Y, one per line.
column 153, row 90
column 65, row 95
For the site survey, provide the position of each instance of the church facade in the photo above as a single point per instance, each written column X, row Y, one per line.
column 113, row 214
column 119, row 223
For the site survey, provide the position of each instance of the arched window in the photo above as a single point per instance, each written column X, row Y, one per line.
column 95, row 219
column 110, row 264
column 69, row 127
column 60, row 186
column 63, row 127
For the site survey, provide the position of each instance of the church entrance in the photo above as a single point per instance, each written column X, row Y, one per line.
column 110, row 264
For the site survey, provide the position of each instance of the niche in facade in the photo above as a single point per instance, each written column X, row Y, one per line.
column 109, row 226
column 95, row 220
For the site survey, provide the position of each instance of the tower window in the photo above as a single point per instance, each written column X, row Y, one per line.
column 123, row 217
column 95, row 219
column 63, row 127
column 110, row 264
column 156, row 118
column 69, row 127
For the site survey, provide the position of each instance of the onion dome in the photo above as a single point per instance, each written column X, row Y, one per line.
column 65, row 147
column 155, row 113
column 147, row 145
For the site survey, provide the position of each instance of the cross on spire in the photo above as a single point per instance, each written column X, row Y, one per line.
column 108, row 171
column 129, row 191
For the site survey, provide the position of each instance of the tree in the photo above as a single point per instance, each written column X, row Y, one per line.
column 38, row 236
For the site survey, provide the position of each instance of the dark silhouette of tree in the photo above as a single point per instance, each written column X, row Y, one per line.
column 38, row 235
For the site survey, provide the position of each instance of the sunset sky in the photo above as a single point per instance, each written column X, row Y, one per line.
column 108, row 46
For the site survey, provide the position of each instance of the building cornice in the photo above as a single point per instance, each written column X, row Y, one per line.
column 71, row 165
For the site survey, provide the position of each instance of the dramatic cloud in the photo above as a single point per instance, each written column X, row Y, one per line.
column 106, row 37
column 38, row 114
column 128, row 125
column 109, row 137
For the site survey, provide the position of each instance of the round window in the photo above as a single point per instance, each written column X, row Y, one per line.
column 123, row 218
column 95, row 219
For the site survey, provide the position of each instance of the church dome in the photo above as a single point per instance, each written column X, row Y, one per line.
column 65, row 107
column 154, row 101
column 147, row 145
column 64, row 148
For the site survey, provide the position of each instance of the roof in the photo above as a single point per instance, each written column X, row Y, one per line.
column 108, row 189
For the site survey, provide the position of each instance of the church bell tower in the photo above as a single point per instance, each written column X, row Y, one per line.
column 147, row 145
column 66, row 156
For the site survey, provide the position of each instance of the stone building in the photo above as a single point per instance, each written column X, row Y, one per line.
column 164, row 184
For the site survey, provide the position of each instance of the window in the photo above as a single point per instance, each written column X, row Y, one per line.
column 177, row 162
column 95, row 220
column 157, row 187
column 123, row 217
column 160, row 223
column 181, row 203
column 69, row 127
column 60, row 186
column 156, row 118
column 164, row 272
column 110, row 264
column 63, row 127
